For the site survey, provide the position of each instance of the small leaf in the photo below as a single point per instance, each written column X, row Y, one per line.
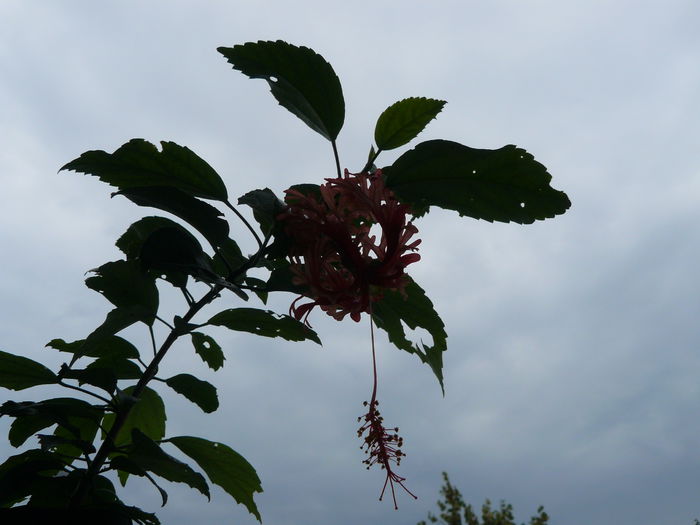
column 404, row 120
column 266, row 207
column 201, row 393
column 125, row 285
column 505, row 184
column 148, row 455
column 147, row 415
column 299, row 78
column 265, row 323
column 23, row 427
column 18, row 373
column 415, row 311
column 224, row 467
column 204, row 217
column 208, row 349
column 138, row 163
column 112, row 347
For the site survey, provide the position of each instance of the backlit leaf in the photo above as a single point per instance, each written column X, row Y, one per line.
column 403, row 121
column 265, row 323
column 18, row 373
column 224, row 467
column 505, row 184
column 208, row 349
column 138, row 163
column 201, row 393
column 300, row 79
column 415, row 311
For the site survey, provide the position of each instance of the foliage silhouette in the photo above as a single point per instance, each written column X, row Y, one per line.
column 315, row 243
column 454, row 511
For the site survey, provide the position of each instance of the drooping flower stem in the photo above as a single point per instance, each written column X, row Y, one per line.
column 381, row 446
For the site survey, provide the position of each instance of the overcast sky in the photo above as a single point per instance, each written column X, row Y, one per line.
column 572, row 366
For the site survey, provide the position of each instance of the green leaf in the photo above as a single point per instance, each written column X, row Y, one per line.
column 105, row 372
column 147, row 415
column 202, row 216
column 231, row 254
column 20, row 473
column 404, row 120
column 147, row 454
column 24, row 427
column 83, row 429
column 266, row 207
column 505, row 184
column 201, row 393
column 74, row 415
column 208, row 349
column 224, row 467
column 265, row 323
column 111, row 347
column 18, row 373
column 415, row 311
column 116, row 321
column 300, row 79
column 127, row 286
column 138, row 163
column 131, row 243
column 126, row 466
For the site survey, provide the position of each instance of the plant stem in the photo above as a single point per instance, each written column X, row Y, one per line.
column 122, row 413
column 337, row 159
column 250, row 228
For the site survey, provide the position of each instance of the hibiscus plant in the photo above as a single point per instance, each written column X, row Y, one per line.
column 341, row 244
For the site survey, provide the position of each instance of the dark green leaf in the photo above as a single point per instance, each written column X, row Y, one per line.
column 224, row 467
column 49, row 442
column 18, row 373
column 116, row 321
column 228, row 258
column 147, row 415
column 127, row 286
column 23, row 427
column 75, row 417
column 264, row 322
column 126, row 466
column 81, row 428
column 148, row 455
column 105, row 372
column 504, row 185
column 415, row 311
column 202, row 216
column 138, row 163
column 132, row 241
column 200, row 392
column 111, row 347
column 299, row 78
column 403, row 121
column 208, row 349
column 19, row 474
column 266, row 207
column 260, row 287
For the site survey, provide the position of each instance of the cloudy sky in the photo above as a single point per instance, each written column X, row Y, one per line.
column 572, row 369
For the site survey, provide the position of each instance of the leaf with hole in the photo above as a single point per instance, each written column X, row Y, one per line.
column 138, row 163
column 505, row 184
column 224, row 467
column 404, row 120
column 299, row 78
column 208, row 349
